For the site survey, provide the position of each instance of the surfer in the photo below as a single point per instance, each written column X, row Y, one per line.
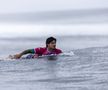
column 50, row 49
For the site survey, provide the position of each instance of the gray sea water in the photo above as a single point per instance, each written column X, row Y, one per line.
column 81, row 34
column 87, row 69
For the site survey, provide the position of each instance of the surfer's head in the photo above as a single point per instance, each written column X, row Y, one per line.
column 51, row 42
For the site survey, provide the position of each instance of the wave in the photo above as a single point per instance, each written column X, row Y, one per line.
column 85, row 52
column 63, row 17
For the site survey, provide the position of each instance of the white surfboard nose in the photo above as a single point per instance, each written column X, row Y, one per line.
column 71, row 53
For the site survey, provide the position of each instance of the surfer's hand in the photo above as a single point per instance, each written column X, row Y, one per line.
column 17, row 56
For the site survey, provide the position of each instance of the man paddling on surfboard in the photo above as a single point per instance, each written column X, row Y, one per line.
column 50, row 49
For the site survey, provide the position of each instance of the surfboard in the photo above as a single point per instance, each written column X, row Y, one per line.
column 49, row 57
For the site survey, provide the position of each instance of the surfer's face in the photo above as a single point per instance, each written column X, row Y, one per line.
column 52, row 45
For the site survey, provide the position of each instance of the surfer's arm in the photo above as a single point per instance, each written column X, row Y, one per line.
column 27, row 52
column 17, row 56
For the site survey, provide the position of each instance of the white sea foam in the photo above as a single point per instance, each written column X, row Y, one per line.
column 14, row 30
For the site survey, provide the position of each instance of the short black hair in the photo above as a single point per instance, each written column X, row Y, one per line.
column 50, row 39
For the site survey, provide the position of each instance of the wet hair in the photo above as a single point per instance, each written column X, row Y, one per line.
column 49, row 40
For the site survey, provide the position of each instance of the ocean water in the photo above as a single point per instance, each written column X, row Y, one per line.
column 86, row 69
column 81, row 34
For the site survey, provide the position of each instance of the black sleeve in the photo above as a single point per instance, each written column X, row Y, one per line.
column 28, row 51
